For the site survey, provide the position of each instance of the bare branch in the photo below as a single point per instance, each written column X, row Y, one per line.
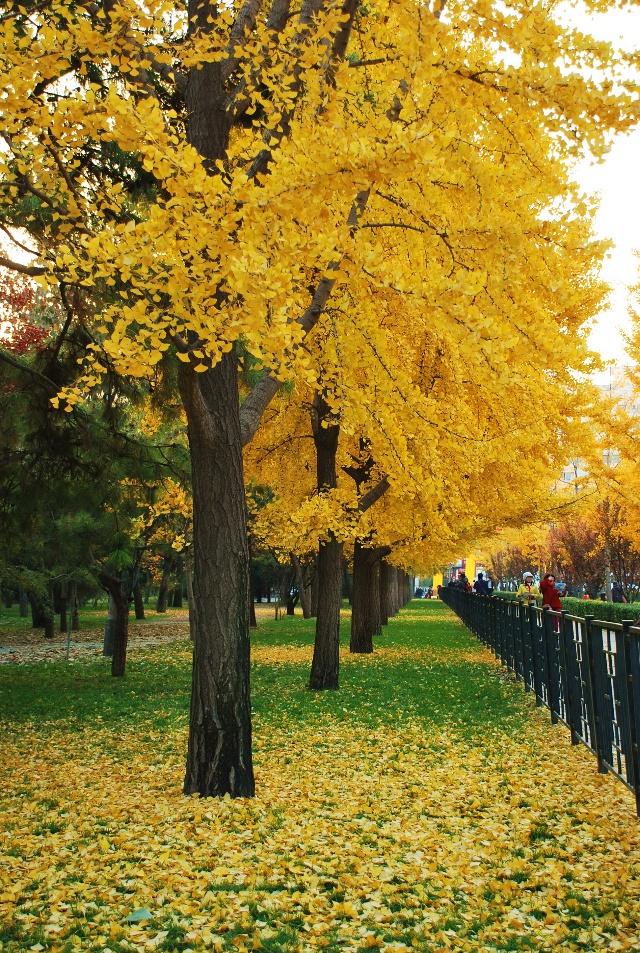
column 32, row 270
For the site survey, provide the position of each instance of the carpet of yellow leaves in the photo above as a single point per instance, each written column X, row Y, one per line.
column 391, row 838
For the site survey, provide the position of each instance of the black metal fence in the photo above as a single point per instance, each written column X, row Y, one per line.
column 585, row 670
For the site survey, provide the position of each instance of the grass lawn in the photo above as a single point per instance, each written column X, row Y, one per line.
column 426, row 805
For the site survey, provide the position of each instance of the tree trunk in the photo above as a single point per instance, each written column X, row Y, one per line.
column 138, row 601
column 120, row 634
column 116, row 634
column 38, row 613
column 42, row 615
column 219, row 759
column 163, row 592
column 176, row 601
column 75, row 614
column 315, row 589
column 63, row 607
column 304, row 587
column 347, row 582
column 24, row 604
column 325, row 667
column 365, row 613
column 386, row 608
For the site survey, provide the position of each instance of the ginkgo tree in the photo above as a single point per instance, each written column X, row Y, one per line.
column 212, row 173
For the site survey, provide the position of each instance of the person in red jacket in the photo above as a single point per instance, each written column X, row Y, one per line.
column 551, row 596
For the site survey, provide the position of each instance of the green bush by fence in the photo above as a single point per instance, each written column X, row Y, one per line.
column 607, row 611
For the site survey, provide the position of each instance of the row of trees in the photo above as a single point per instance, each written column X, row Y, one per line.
column 593, row 541
column 330, row 235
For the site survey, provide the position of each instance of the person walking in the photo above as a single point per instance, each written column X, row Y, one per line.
column 551, row 597
column 550, row 594
column 481, row 586
column 528, row 591
column 617, row 594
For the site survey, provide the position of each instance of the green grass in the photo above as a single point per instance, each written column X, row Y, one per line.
column 426, row 786
column 434, row 683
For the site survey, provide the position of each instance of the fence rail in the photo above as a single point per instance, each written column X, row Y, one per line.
column 585, row 670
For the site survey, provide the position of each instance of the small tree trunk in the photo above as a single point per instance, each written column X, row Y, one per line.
column 56, row 597
column 7, row 598
column 42, row 616
column 38, row 614
column 347, row 582
column 63, row 605
column 24, row 604
column 365, row 614
column 325, row 667
column 176, row 602
column 386, row 609
column 138, row 601
column 75, row 614
column 116, row 635
column 304, row 588
column 163, row 592
column 120, row 635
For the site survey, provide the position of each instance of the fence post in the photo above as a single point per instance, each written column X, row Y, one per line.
column 631, row 672
column 550, row 666
column 535, row 660
column 595, row 695
column 569, row 700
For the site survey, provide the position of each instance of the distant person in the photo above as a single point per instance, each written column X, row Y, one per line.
column 551, row 597
column 617, row 594
column 528, row 591
column 481, row 586
column 550, row 593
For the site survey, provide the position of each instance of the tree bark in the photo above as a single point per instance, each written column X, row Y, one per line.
column 117, row 630
column 75, row 613
column 386, row 607
column 325, row 667
column 120, row 635
column 347, row 582
column 138, row 601
column 63, row 607
column 163, row 592
column 219, row 759
column 176, row 600
column 304, row 586
column 365, row 612
column 188, row 573
column 42, row 616
column 24, row 604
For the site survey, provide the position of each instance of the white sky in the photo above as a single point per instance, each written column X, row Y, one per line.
column 618, row 219
column 616, row 180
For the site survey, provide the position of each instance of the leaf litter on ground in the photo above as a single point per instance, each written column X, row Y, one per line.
column 426, row 805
